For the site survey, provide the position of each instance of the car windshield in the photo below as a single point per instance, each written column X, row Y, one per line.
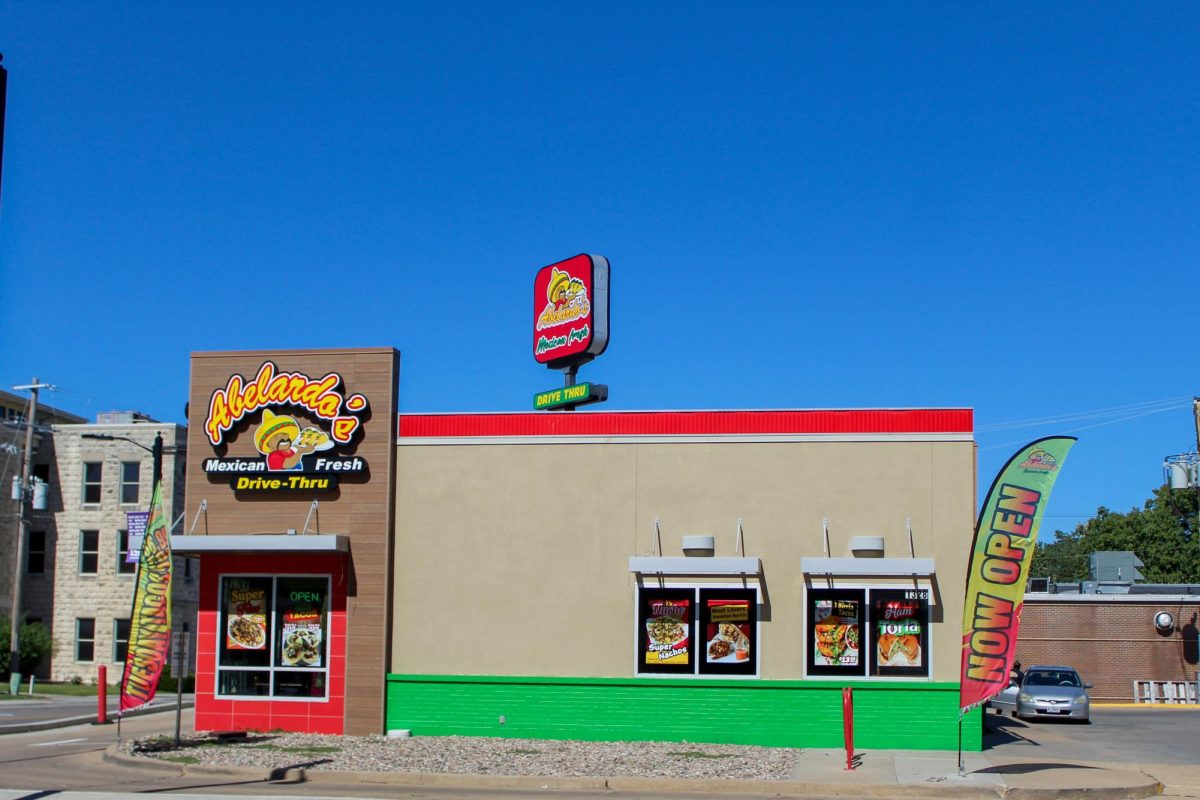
column 1052, row 678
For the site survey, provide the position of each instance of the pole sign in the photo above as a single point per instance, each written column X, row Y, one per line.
column 135, row 527
column 570, row 311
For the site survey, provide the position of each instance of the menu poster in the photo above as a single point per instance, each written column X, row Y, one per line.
column 246, row 619
column 728, row 618
column 835, row 619
column 665, row 620
column 900, row 633
column 667, row 632
column 300, row 639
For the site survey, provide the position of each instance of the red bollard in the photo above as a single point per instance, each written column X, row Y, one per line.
column 102, row 696
column 848, row 724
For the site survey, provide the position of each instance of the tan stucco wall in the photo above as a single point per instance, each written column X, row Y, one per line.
column 512, row 559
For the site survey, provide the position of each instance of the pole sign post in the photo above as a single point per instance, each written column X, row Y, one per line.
column 570, row 326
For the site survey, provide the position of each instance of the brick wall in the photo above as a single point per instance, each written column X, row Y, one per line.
column 1112, row 642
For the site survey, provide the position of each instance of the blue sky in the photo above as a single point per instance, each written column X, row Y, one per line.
column 990, row 206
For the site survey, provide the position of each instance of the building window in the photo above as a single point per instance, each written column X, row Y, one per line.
column 877, row 632
column 92, row 473
column 89, row 552
column 273, row 640
column 85, row 639
column 120, row 640
column 124, row 565
column 35, row 563
column 130, row 481
column 697, row 631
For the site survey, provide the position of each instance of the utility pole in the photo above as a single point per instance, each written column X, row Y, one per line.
column 1196, row 411
column 14, row 664
column 3, row 103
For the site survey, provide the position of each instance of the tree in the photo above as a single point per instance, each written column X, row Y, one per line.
column 36, row 644
column 1163, row 534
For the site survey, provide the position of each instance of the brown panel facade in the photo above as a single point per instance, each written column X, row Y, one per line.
column 361, row 506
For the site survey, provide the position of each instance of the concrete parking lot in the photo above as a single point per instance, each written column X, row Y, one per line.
column 1115, row 735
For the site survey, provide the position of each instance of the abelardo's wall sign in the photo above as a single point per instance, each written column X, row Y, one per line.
column 294, row 455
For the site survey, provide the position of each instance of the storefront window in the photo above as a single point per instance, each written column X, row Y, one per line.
column 704, row 631
column 900, row 632
column 835, row 618
column 876, row 632
column 666, row 630
column 274, row 634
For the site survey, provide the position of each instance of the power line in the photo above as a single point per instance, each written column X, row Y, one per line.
column 1149, row 406
column 1088, row 427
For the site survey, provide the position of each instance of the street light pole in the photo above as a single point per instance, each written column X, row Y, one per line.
column 14, row 663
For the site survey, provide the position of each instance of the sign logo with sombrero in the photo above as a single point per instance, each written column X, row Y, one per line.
column 570, row 311
column 292, row 451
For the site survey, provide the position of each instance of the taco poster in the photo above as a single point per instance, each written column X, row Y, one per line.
column 835, row 632
column 246, row 619
column 300, row 639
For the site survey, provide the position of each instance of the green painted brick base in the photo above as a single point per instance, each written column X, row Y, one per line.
column 887, row 715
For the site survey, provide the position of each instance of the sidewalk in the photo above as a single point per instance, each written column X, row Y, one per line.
column 819, row 773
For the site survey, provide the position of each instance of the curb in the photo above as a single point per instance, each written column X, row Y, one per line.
column 684, row 786
column 66, row 722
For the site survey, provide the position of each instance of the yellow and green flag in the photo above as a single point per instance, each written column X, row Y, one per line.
column 150, row 622
column 1005, row 538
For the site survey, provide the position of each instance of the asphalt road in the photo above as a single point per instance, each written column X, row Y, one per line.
column 1115, row 735
column 15, row 712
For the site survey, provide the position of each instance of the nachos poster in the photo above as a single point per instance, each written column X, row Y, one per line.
column 1001, row 554
column 150, row 619
column 246, row 618
column 666, row 638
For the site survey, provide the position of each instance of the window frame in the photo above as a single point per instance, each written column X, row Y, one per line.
column 85, row 553
column 97, row 484
column 697, row 668
column 118, row 657
column 80, row 640
column 31, row 551
column 124, row 567
column 868, row 633
column 273, row 623
column 125, row 483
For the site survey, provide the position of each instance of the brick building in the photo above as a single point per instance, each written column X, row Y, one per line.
column 1112, row 638
column 76, row 578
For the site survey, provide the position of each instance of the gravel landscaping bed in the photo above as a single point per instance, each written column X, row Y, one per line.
column 476, row 756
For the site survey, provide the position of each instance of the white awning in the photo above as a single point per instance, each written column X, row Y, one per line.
column 260, row 543
column 693, row 565
column 892, row 567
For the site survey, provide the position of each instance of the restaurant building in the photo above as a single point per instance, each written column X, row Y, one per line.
column 708, row 576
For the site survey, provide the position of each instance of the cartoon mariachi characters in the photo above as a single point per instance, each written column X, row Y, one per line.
column 279, row 438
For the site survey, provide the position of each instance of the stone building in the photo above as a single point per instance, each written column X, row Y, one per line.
column 76, row 576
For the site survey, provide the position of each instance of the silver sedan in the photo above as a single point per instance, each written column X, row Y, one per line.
column 1047, row 692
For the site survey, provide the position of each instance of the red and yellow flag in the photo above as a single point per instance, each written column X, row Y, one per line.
column 150, row 622
column 1005, row 538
